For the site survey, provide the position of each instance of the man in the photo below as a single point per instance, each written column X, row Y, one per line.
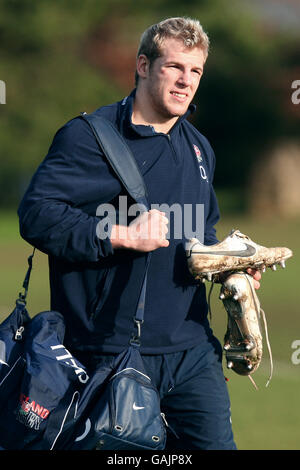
column 95, row 281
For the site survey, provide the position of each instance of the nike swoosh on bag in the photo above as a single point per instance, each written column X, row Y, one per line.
column 250, row 250
column 135, row 407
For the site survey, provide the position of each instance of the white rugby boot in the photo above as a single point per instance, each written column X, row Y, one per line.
column 237, row 252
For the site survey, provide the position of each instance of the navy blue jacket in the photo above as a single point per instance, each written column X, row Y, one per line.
column 93, row 286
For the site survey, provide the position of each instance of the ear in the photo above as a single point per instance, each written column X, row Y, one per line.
column 142, row 66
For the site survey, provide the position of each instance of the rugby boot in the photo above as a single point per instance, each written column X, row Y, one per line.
column 243, row 341
column 237, row 252
column 243, row 338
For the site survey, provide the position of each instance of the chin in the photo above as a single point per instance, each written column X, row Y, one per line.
column 179, row 109
column 178, row 112
column 171, row 110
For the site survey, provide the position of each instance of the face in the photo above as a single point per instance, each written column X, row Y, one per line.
column 173, row 78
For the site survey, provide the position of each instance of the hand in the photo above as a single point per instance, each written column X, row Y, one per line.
column 145, row 233
column 256, row 274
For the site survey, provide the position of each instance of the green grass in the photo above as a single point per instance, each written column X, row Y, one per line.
column 267, row 418
column 14, row 252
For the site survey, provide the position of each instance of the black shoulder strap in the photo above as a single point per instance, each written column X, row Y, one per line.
column 124, row 164
column 119, row 156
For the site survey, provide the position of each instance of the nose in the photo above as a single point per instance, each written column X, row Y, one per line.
column 185, row 78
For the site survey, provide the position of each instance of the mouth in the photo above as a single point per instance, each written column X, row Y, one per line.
column 181, row 97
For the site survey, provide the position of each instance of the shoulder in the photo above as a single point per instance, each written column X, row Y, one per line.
column 110, row 111
column 77, row 130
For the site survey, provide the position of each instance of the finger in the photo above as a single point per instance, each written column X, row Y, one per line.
column 157, row 212
column 255, row 273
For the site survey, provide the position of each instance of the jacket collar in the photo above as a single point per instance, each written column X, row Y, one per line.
column 142, row 130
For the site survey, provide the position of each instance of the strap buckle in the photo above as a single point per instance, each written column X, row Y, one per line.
column 136, row 338
column 22, row 296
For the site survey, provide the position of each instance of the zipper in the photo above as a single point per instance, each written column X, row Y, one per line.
column 168, row 136
column 16, row 364
column 19, row 333
column 111, row 410
column 172, row 147
column 130, row 375
column 164, row 419
column 168, row 426
column 64, row 418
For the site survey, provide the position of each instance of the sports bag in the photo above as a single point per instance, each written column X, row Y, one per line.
column 50, row 381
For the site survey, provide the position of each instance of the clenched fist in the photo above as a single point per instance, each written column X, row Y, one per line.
column 145, row 233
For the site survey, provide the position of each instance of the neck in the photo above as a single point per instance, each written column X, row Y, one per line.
column 144, row 114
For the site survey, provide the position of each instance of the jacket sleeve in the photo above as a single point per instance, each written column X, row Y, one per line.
column 57, row 214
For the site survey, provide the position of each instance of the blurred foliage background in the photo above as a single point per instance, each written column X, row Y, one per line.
column 61, row 57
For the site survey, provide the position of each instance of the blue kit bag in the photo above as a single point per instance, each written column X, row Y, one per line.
column 49, row 382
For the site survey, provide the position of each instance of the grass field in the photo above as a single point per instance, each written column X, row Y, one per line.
column 267, row 418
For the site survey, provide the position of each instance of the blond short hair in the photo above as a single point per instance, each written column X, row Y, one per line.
column 188, row 30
